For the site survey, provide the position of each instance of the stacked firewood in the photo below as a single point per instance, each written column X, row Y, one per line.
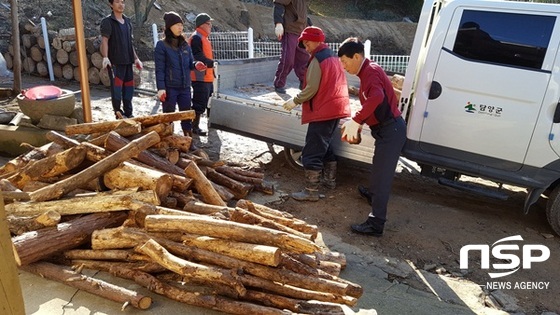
column 120, row 201
column 64, row 56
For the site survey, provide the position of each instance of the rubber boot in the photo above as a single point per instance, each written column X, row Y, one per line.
column 329, row 175
column 311, row 190
column 196, row 128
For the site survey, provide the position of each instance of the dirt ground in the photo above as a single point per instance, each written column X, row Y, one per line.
column 427, row 223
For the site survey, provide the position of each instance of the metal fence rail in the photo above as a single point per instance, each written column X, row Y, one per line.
column 240, row 45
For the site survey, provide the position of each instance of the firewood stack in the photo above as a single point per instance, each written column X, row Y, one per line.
column 175, row 223
column 64, row 55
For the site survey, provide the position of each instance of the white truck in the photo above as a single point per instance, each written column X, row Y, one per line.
column 481, row 97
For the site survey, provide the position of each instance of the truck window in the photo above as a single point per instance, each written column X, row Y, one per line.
column 504, row 38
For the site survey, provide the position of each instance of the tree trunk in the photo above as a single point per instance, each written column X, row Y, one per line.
column 89, row 284
column 34, row 246
column 230, row 230
column 130, row 176
column 100, row 202
column 20, row 225
column 281, row 217
column 203, row 185
column 62, row 187
column 50, row 166
column 208, row 301
column 240, row 190
column 189, row 269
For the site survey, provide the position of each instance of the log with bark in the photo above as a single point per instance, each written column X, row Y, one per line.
column 36, row 245
column 20, row 225
column 95, row 286
column 203, row 185
column 106, row 202
column 230, row 230
column 62, row 187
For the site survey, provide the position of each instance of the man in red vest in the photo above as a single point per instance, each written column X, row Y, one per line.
column 324, row 101
column 202, row 81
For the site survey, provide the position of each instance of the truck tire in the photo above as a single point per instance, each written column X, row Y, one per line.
column 553, row 210
column 293, row 157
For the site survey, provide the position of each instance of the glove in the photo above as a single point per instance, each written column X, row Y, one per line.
column 279, row 30
column 161, row 94
column 289, row 104
column 138, row 64
column 350, row 131
column 200, row 66
column 106, row 63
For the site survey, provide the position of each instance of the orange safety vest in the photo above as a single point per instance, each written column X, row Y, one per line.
column 208, row 74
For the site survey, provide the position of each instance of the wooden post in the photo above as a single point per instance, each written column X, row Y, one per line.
column 11, row 298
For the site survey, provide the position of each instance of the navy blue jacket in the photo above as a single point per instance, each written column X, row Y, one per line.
column 173, row 65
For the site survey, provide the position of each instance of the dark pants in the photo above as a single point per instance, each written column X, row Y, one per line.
column 201, row 94
column 180, row 97
column 318, row 148
column 122, row 89
column 389, row 141
column 291, row 57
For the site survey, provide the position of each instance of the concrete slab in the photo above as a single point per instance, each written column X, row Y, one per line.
column 11, row 138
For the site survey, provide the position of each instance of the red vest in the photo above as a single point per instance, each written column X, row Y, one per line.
column 331, row 100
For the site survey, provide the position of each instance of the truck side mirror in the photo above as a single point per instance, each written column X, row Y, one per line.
column 435, row 90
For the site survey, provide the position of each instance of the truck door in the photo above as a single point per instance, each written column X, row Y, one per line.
column 490, row 76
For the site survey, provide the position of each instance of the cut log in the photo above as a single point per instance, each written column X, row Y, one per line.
column 281, row 217
column 36, row 53
column 90, row 254
column 183, row 143
column 115, row 142
column 224, row 193
column 189, row 269
column 230, row 230
column 240, row 190
column 89, row 284
column 22, row 160
column 57, row 70
column 145, row 266
column 203, row 185
column 104, row 77
column 67, row 34
column 163, row 129
column 208, row 301
column 198, row 207
column 99, row 202
column 20, row 225
column 97, row 60
column 260, row 254
column 243, row 216
column 93, row 44
column 51, row 166
column 69, row 45
column 34, row 246
column 57, row 43
column 129, row 176
column 62, row 187
column 68, row 71
column 73, row 58
column 29, row 65
column 28, row 40
column 93, row 75
column 42, row 68
column 61, row 57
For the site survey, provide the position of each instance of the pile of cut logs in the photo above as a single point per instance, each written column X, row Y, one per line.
column 64, row 56
column 132, row 200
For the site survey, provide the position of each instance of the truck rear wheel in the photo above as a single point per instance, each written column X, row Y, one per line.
column 293, row 157
column 553, row 210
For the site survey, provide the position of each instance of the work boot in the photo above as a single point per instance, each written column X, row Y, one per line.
column 372, row 226
column 311, row 190
column 329, row 175
column 195, row 127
